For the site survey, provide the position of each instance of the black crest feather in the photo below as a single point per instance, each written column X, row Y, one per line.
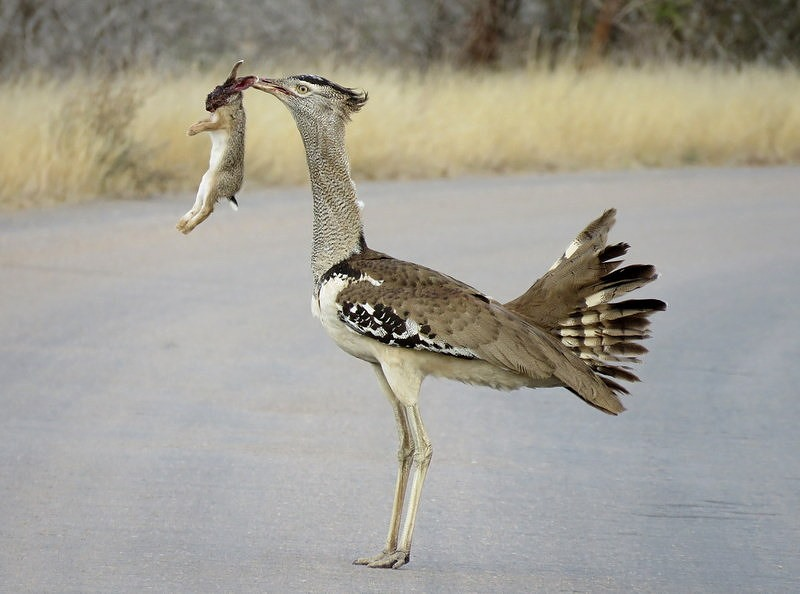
column 354, row 98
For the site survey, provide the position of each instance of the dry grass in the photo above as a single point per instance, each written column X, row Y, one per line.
column 84, row 138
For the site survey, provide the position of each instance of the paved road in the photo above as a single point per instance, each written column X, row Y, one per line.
column 172, row 419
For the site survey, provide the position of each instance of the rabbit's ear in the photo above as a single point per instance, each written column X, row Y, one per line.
column 240, row 84
column 234, row 70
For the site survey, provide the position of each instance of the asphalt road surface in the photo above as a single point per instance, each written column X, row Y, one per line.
column 172, row 418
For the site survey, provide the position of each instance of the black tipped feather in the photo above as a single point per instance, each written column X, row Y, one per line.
column 634, row 272
column 619, row 372
column 613, row 251
column 604, row 333
column 575, row 301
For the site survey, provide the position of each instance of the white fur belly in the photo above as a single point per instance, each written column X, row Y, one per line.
column 219, row 141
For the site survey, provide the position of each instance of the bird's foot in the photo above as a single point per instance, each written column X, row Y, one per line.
column 385, row 560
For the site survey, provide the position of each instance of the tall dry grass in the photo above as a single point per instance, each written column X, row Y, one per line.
column 81, row 138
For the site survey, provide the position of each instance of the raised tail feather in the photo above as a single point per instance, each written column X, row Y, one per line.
column 573, row 300
column 606, row 336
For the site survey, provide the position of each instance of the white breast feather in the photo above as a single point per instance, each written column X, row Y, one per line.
column 359, row 328
column 325, row 307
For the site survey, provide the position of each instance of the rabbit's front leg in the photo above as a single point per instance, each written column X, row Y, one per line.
column 201, row 126
column 214, row 122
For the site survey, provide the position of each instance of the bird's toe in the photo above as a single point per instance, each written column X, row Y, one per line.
column 385, row 560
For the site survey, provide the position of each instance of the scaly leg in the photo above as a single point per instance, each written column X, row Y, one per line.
column 405, row 455
column 401, row 383
column 422, row 457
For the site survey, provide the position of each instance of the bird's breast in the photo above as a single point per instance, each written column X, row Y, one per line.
column 325, row 307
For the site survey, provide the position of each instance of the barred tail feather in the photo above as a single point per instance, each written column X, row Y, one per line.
column 631, row 308
column 605, row 336
column 620, row 282
column 574, row 300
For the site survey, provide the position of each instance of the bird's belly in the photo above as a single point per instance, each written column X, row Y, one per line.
column 350, row 342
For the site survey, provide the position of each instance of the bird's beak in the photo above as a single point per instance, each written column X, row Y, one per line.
column 270, row 86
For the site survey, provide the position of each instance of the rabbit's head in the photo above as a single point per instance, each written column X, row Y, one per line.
column 229, row 92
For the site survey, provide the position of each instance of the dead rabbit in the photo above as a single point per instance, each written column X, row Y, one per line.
column 226, row 125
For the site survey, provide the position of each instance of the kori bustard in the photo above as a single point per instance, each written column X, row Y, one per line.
column 409, row 321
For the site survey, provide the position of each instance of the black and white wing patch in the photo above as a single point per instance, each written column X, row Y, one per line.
column 384, row 324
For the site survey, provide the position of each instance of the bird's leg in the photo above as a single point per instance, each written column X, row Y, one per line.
column 405, row 455
column 401, row 383
column 422, row 458
column 422, row 453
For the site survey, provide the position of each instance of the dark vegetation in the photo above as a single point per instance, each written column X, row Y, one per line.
column 64, row 36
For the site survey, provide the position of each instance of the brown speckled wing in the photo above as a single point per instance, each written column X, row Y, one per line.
column 407, row 305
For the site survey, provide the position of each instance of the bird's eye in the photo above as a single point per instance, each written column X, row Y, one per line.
column 302, row 89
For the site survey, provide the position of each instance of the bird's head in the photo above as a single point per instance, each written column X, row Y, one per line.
column 314, row 98
column 230, row 91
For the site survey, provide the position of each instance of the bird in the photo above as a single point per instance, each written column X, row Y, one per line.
column 409, row 321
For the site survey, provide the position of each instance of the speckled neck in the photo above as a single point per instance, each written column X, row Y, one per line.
column 338, row 230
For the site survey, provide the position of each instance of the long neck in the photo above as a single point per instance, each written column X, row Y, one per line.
column 338, row 230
